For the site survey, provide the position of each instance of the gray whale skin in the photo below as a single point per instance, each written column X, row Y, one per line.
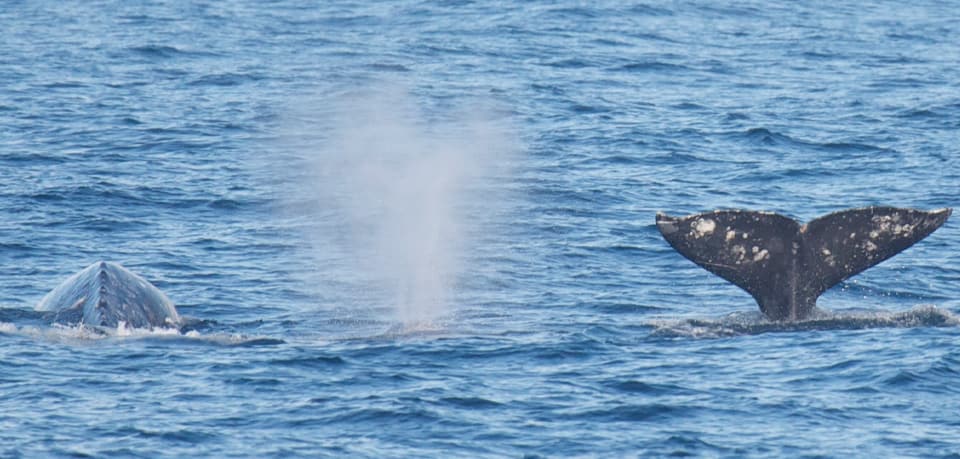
column 105, row 295
column 784, row 265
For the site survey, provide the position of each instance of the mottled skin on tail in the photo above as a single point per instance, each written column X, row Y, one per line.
column 786, row 266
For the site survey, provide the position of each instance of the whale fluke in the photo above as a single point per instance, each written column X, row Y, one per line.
column 105, row 294
column 786, row 266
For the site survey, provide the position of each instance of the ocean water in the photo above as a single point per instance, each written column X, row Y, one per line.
column 426, row 229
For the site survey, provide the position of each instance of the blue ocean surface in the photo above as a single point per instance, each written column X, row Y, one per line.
column 426, row 228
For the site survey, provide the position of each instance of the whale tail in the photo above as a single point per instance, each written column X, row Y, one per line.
column 786, row 266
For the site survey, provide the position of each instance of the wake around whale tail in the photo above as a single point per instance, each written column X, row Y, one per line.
column 786, row 266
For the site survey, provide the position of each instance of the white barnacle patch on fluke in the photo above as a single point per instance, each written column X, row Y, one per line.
column 731, row 234
column 902, row 230
column 890, row 224
column 703, row 227
column 760, row 254
column 828, row 256
column 882, row 221
column 739, row 253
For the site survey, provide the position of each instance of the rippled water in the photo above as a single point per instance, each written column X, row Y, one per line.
column 426, row 228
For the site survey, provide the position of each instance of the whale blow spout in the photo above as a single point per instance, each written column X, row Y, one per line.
column 786, row 266
column 106, row 294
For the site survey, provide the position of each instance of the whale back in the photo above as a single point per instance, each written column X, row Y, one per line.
column 106, row 294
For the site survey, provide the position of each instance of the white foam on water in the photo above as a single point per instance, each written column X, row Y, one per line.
column 81, row 334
